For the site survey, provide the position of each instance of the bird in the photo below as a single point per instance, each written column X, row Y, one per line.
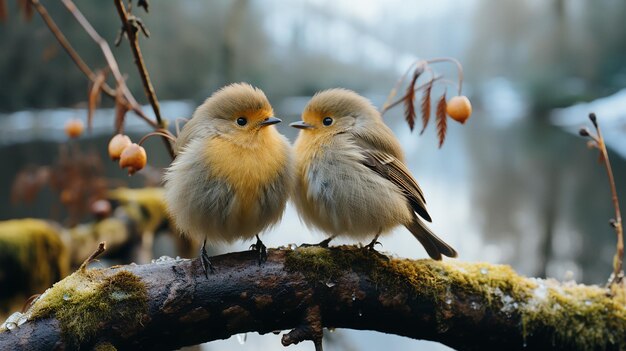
column 233, row 171
column 351, row 179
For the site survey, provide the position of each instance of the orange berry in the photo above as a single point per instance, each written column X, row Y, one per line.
column 134, row 157
column 74, row 128
column 117, row 144
column 459, row 108
column 67, row 196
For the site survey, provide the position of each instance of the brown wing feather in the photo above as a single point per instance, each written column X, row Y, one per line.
column 395, row 171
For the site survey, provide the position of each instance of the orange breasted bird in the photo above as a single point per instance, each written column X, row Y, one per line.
column 233, row 171
column 351, row 179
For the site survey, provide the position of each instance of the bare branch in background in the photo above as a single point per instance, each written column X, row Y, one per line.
column 597, row 141
column 125, row 97
column 131, row 25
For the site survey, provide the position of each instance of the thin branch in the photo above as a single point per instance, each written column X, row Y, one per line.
column 143, row 72
column 111, row 61
column 65, row 44
column 101, row 248
column 80, row 63
column 128, row 99
column 159, row 132
column 616, row 223
column 459, row 68
column 405, row 96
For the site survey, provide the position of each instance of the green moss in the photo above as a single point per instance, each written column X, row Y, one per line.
column 575, row 316
column 421, row 276
column 104, row 346
column 32, row 257
column 578, row 316
column 89, row 299
column 146, row 206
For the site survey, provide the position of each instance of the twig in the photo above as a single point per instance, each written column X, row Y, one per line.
column 159, row 132
column 65, row 44
column 128, row 99
column 143, row 72
column 133, row 105
column 616, row 223
column 458, row 67
column 101, row 248
column 400, row 100
column 110, row 58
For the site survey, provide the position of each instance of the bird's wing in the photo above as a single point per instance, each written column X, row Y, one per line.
column 392, row 169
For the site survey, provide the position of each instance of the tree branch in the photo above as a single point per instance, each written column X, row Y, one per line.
column 133, row 105
column 131, row 33
column 69, row 49
column 169, row 304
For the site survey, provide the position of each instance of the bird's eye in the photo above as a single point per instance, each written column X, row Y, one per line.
column 327, row 121
column 242, row 121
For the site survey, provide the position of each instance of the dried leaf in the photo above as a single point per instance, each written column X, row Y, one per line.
column 94, row 96
column 441, row 119
column 26, row 7
column 4, row 13
column 121, row 34
column 409, row 102
column 144, row 4
column 426, row 106
column 409, row 98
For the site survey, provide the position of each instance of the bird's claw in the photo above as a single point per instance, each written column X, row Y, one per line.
column 261, row 250
column 324, row 243
column 206, row 263
column 372, row 246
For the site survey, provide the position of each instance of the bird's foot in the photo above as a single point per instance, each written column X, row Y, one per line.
column 372, row 246
column 261, row 250
column 323, row 243
column 206, row 263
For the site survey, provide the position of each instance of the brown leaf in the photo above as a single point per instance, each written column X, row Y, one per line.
column 441, row 119
column 426, row 106
column 121, row 107
column 409, row 100
column 4, row 13
column 94, row 96
column 26, row 7
column 27, row 184
column 144, row 4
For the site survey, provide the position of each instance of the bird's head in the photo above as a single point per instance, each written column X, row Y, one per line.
column 337, row 111
column 237, row 110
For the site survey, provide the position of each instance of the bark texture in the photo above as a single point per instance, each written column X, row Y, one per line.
column 170, row 303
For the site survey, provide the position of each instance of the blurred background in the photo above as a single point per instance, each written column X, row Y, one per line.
column 515, row 185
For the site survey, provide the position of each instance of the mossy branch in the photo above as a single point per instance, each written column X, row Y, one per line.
column 170, row 303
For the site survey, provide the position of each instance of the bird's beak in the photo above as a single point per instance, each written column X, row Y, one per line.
column 269, row 121
column 301, row 125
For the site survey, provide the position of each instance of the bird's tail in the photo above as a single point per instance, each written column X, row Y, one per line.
column 433, row 245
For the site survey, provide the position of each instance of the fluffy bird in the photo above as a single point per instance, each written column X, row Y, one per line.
column 351, row 179
column 233, row 171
